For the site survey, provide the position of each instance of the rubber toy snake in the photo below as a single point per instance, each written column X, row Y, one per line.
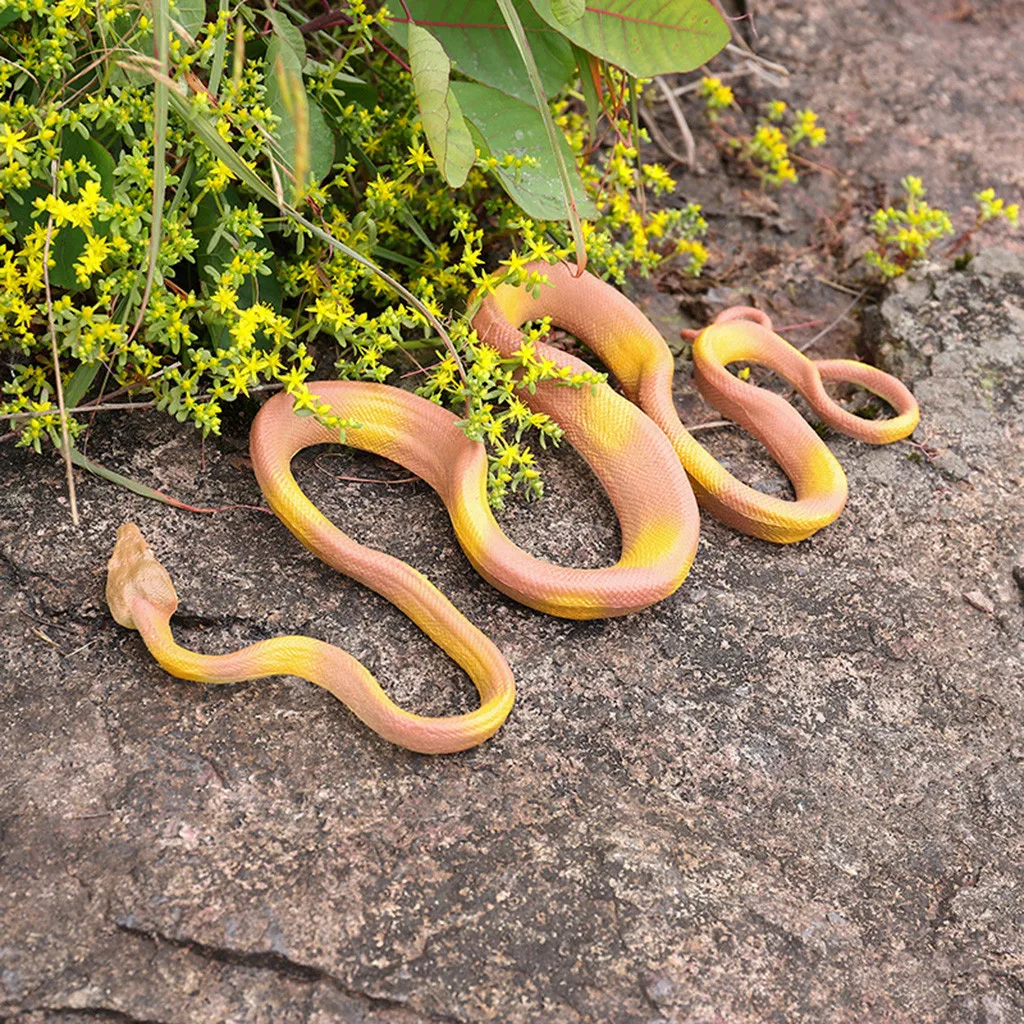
column 647, row 462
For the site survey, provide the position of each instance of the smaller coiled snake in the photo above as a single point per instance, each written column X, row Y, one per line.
column 636, row 446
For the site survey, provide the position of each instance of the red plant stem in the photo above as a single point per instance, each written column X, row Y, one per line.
column 329, row 19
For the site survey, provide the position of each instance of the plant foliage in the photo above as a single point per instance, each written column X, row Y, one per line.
column 299, row 154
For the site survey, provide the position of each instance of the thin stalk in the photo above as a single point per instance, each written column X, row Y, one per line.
column 161, row 30
column 65, row 439
column 684, row 128
column 122, row 406
column 515, row 26
column 821, row 334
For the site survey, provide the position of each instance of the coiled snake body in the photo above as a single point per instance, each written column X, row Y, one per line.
column 637, row 447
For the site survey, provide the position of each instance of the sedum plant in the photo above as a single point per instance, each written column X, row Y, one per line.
column 200, row 201
column 906, row 233
column 768, row 153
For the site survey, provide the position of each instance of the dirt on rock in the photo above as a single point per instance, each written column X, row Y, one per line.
column 790, row 793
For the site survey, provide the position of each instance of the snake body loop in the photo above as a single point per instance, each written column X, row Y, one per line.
column 631, row 347
column 642, row 454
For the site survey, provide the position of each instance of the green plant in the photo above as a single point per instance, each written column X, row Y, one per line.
column 716, row 96
column 905, row 234
column 770, row 150
column 298, row 155
column 768, row 153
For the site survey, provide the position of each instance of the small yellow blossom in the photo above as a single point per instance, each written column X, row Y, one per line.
column 91, row 261
column 716, row 96
column 12, row 142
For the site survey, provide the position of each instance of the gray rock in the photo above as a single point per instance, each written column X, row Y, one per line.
column 1018, row 569
column 795, row 801
column 950, row 464
column 793, row 770
column 981, row 601
column 965, row 328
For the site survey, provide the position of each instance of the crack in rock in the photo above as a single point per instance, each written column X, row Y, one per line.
column 102, row 1013
column 278, row 963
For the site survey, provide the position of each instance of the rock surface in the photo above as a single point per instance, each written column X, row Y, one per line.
column 791, row 793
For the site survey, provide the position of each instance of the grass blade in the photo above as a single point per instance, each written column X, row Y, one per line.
column 161, row 31
column 515, row 26
column 142, row 490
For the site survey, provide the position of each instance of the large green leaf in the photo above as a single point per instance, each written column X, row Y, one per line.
column 567, row 11
column 69, row 242
column 443, row 123
column 288, row 32
column 475, row 37
column 646, row 37
column 284, row 64
column 508, row 126
column 189, row 14
column 555, row 137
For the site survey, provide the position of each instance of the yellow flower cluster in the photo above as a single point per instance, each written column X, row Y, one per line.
column 905, row 234
column 239, row 293
column 770, row 148
column 495, row 412
column 992, row 208
column 716, row 96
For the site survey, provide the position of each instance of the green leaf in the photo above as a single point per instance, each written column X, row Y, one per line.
column 443, row 123
column 646, row 37
column 287, row 31
column 567, row 11
column 190, row 15
column 83, row 462
column 348, row 88
column 556, row 139
column 65, row 250
column 305, row 141
column 74, row 147
column 219, row 52
column 480, row 47
column 508, row 126
column 79, row 384
column 69, row 243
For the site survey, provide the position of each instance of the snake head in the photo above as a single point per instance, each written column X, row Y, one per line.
column 133, row 573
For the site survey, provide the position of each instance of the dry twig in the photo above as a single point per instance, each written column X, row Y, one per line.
column 65, row 440
column 825, row 330
column 684, row 128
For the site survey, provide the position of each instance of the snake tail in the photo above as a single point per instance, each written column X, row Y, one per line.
column 141, row 596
